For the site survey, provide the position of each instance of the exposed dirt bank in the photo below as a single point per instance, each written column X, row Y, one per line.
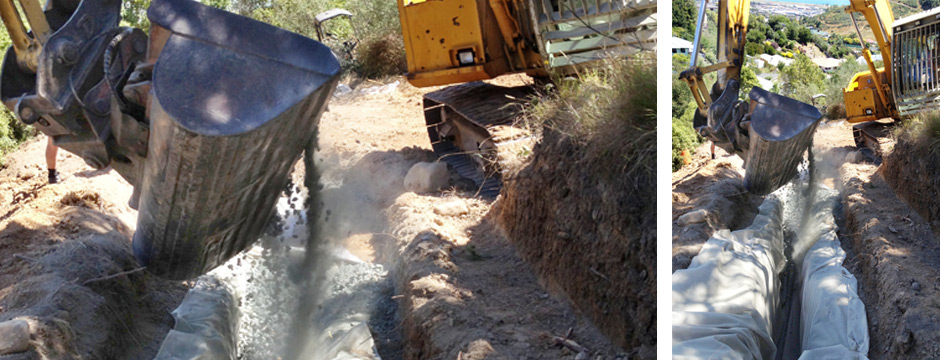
column 59, row 247
column 715, row 189
column 914, row 174
column 891, row 250
column 590, row 235
column 461, row 289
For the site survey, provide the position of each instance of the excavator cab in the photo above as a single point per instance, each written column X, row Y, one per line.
column 336, row 29
column 204, row 117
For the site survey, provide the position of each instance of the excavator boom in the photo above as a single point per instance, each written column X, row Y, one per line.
column 868, row 96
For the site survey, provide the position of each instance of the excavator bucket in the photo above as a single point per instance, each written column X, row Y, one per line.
column 781, row 130
column 234, row 102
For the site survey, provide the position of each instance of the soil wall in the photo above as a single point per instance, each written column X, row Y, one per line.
column 590, row 233
column 896, row 259
column 914, row 173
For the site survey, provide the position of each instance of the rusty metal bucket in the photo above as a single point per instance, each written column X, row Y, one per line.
column 781, row 129
column 234, row 103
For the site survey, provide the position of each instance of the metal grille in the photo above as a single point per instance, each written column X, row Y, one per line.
column 572, row 32
column 916, row 52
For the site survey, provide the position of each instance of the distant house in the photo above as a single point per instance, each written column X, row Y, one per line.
column 772, row 60
column 681, row 46
column 820, row 33
column 827, row 64
column 861, row 59
column 765, row 84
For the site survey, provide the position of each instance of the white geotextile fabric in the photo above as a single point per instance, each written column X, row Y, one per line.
column 725, row 302
column 833, row 323
column 206, row 322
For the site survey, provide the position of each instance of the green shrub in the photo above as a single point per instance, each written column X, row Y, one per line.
column 684, row 136
column 683, row 107
column 802, row 79
column 12, row 133
column 381, row 51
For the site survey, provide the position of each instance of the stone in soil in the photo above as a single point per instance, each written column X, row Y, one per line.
column 452, row 208
column 425, row 177
column 14, row 336
column 693, row 217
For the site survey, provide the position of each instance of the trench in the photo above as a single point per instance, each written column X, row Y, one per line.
column 776, row 288
column 299, row 296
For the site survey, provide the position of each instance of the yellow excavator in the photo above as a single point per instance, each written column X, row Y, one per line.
column 909, row 81
column 205, row 116
column 771, row 132
column 464, row 41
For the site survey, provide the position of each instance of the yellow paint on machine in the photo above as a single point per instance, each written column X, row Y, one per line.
column 434, row 32
column 862, row 103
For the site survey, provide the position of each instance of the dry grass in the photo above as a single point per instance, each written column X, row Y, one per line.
column 381, row 56
column 610, row 110
column 835, row 111
column 923, row 132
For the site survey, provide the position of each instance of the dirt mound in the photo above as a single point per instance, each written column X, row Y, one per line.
column 72, row 294
column 88, row 199
column 466, row 294
column 66, row 265
column 896, row 259
column 717, row 190
column 589, row 233
column 914, row 173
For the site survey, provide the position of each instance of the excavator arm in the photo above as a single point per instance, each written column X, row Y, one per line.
column 732, row 28
column 770, row 132
column 204, row 117
column 868, row 96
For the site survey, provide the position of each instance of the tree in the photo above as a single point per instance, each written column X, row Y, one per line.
column 839, row 79
column 681, row 95
column 752, row 49
column 683, row 18
column 778, row 22
column 748, row 81
column 134, row 12
column 802, row 79
column 804, row 35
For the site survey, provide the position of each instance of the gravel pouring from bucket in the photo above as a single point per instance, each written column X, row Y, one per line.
column 781, row 129
column 233, row 105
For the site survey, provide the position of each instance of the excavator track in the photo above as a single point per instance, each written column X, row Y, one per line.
column 872, row 138
column 471, row 128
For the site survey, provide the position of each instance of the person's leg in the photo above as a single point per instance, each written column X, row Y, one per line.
column 51, row 152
